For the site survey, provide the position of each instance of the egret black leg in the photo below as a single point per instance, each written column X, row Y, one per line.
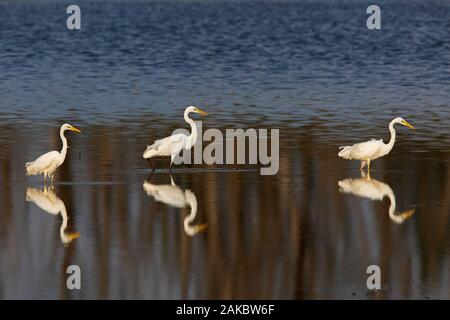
column 150, row 161
column 150, row 176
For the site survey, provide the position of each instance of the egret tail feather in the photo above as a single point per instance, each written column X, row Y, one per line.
column 31, row 169
column 345, row 152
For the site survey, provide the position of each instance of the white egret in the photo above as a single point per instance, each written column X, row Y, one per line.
column 172, row 145
column 174, row 196
column 375, row 190
column 49, row 202
column 49, row 162
column 372, row 149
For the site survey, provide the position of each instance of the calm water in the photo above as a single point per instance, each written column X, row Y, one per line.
column 309, row 68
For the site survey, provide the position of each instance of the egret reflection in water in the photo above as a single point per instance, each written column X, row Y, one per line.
column 366, row 187
column 175, row 197
column 48, row 201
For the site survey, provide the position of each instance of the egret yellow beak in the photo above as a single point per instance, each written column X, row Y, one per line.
column 75, row 129
column 406, row 214
column 406, row 124
column 72, row 236
column 201, row 227
column 200, row 111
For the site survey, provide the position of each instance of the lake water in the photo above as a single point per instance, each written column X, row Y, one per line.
column 309, row 68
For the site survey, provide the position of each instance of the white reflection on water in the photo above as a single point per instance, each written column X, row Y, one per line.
column 48, row 201
column 174, row 196
column 366, row 187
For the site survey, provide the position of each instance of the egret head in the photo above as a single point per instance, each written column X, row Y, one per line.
column 403, row 122
column 67, row 126
column 195, row 110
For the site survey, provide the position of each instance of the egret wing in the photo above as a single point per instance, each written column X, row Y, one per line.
column 362, row 188
column 167, row 193
column 167, row 145
column 366, row 150
column 47, row 201
column 43, row 162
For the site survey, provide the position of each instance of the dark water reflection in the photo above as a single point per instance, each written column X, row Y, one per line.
column 309, row 68
column 293, row 235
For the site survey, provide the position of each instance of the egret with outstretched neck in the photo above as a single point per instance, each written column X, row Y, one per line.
column 49, row 162
column 372, row 149
column 172, row 145
column 175, row 197
column 366, row 187
column 48, row 201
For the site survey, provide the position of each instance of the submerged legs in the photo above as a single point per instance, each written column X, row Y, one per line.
column 171, row 162
column 150, row 176
column 363, row 164
column 151, row 164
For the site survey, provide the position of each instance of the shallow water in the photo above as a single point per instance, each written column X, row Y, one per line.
column 310, row 69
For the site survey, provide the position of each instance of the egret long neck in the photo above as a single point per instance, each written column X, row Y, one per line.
column 392, row 205
column 192, row 201
column 64, row 142
column 390, row 145
column 66, row 238
column 65, row 219
column 397, row 218
column 193, row 136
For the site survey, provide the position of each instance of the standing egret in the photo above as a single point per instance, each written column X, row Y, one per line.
column 372, row 149
column 375, row 190
column 174, row 196
column 172, row 146
column 48, row 201
column 47, row 163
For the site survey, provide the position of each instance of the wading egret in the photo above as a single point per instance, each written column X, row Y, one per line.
column 174, row 196
column 172, row 146
column 48, row 201
column 372, row 149
column 375, row 190
column 47, row 163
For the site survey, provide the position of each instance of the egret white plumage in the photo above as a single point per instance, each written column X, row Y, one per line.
column 48, row 201
column 372, row 149
column 175, row 197
column 375, row 190
column 49, row 162
column 172, row 145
